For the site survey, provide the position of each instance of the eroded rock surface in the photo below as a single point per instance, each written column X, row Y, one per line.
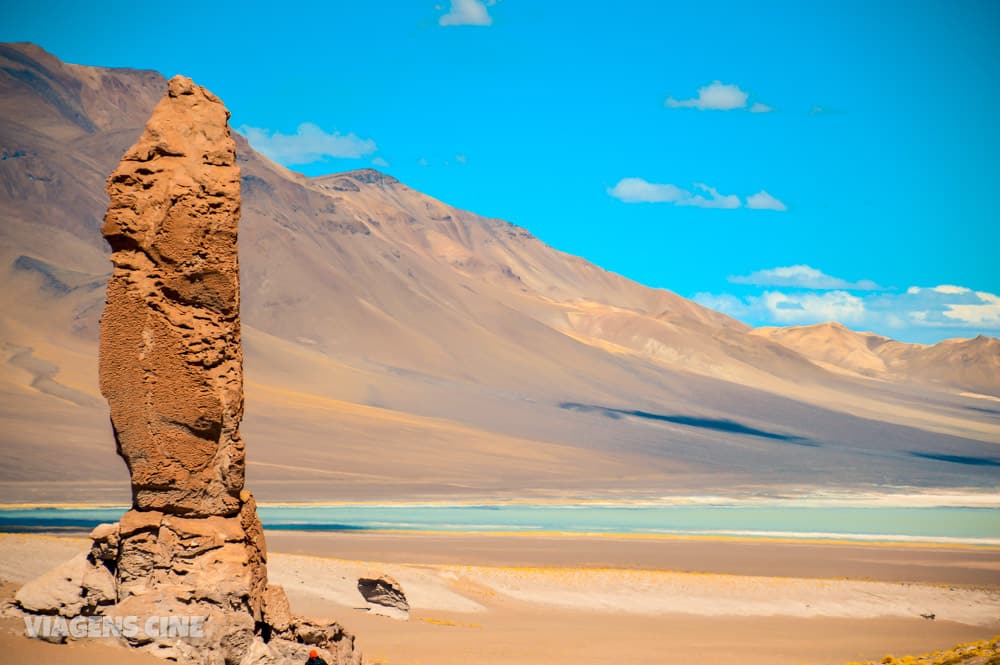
column 171, row 368
column 171, row 361
column 385, row 596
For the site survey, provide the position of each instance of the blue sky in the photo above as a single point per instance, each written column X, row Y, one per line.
column 785, row 162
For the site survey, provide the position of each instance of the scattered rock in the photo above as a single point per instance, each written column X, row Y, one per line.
column 371, row 177
column 277, row 611
column 57, row 591
column 70, row 589
column 345, row 185
column 105, row 539
column 385, row 596
column 98, row 584
column 135, row 521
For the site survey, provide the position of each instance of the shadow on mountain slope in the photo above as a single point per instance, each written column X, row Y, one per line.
column 716, row 424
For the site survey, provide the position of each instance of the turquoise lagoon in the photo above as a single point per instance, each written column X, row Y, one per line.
column 968, row 525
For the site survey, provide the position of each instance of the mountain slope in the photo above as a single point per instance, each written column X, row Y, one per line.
column 970, row 364
column 396, row 346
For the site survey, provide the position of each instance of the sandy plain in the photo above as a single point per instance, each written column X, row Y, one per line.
column 506, row 599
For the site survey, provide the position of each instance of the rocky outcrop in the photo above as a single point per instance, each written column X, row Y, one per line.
column 187, row 566
column 171, row 361
column 385, row 596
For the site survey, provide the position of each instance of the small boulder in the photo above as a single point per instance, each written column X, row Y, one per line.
column 317, row 633
column 59, row 591
column 105, row 540
column 277, row 612
column 98, row 585
column 384, row 596
column 135, row 521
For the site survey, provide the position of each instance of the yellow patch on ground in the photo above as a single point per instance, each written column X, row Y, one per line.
column 452, row 624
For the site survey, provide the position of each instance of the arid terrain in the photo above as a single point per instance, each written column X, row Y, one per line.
column 400, row 347
column 478, row 599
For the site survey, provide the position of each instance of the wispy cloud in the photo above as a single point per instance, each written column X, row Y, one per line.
column 949, row 306
column 825, row 110
column 713, row 200
column 379, row 161
column 718, row 96
column 949, row 289
column 984, row 314
column 777, row 307
column 919, row 313
column 467, row 12
column 814, row 307
column 308, row 144
column 638, row 190
column 764, row 201
column 804, row 277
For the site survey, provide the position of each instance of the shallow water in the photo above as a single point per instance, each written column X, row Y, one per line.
column 980, row 525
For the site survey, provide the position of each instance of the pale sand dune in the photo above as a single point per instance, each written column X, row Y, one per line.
column 556, row 615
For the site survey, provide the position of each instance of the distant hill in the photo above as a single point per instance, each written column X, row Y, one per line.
column 969, row 364
column 399, row 347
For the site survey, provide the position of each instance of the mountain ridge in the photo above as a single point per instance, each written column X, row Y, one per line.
column 400, row 328
column 969, row 363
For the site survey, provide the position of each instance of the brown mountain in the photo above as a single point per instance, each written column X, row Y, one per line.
column 399, row 347
column 969, row 364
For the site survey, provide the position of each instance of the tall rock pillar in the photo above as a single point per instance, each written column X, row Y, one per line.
column 171, row 361
column 171, row 368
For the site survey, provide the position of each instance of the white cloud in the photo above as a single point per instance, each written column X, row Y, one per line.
column 777, row 307
column 714, row 199
column 379, row 161
column 946, row 307
column 804, row 277
column 467, row 12
column 461, row 159
column 639, row 190
column 716, row 96
column 814, row 307
column 918, row 314
column 423, row 162
column 984, row 314
column 308, row 144
column 951, row 289
column 764, row 201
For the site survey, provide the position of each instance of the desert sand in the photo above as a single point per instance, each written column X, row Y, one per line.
column 522, row 600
